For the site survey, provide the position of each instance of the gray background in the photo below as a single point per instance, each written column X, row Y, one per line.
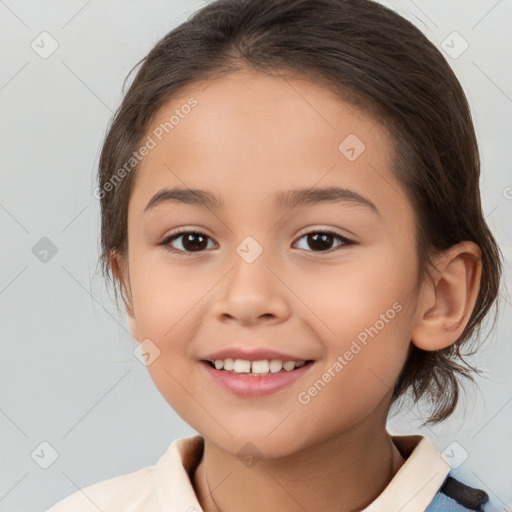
column 68, row 375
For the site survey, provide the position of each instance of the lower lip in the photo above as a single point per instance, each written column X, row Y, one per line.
column 254, row 386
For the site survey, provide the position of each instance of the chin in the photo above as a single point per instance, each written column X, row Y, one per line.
column 251, row 444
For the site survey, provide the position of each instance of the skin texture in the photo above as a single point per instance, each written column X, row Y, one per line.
column 249, row 137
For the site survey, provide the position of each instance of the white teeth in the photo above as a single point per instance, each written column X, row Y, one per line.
column 261, row 367
column 228, row 364
column 276, row 365
column 242, row 366
column 289, row 365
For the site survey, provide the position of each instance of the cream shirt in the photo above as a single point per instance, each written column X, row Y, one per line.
column 166, row 486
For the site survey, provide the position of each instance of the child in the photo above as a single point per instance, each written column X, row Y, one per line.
column 261, row 131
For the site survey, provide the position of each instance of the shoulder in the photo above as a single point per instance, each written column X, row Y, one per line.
column 455, row 496
column 428, row 475
column 111, row 495
column 164, row 484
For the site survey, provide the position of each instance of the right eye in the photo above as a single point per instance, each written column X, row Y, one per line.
column 193, row 241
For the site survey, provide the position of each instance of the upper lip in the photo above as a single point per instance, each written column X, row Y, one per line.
column 252, row 355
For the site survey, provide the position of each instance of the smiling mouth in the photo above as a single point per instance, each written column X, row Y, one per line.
column 260, row 368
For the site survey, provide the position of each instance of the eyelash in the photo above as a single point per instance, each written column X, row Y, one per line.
column 173, row 236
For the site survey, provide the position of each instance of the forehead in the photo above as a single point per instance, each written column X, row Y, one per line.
column 249, row 134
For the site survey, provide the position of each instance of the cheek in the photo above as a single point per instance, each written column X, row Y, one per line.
column 353, row 294
column 366, row 317
column 356, row 375
column 164, row 295
column 165, row 305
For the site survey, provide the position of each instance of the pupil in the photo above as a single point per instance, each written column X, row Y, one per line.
column 320, row 240
column 189, row 240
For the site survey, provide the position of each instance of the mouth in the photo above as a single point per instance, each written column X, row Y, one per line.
column 261, row 368
column 250, row 379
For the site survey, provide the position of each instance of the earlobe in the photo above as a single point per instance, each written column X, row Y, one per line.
column 120, row 271
column 448, row 298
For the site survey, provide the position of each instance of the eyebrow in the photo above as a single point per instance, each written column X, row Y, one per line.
column 284, row 199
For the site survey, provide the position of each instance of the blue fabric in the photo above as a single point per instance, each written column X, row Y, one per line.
column 442, row 503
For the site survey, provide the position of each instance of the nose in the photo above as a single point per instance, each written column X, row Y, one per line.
column 252, row 293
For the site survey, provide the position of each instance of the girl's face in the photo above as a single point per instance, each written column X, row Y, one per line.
column 258, row 274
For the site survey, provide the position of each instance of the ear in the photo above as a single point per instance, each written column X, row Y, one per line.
column 119, row 266
column 448, row 298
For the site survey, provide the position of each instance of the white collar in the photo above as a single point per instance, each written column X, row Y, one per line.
column 417, row 481
column 411, row 490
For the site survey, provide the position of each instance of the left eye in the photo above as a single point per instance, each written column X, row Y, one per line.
column 194, row 241
column 321, row 239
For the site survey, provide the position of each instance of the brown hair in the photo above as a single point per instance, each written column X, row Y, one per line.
column 378, row 61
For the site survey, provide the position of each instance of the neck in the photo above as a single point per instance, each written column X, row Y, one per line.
column 343, row 474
